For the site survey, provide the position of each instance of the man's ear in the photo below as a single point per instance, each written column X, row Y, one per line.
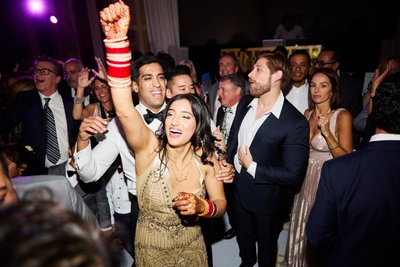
column 58, row 79
column 168, row 93
column 135, row 87
column 277, row 76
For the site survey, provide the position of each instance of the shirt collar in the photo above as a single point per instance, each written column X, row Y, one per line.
column 142, row 108
column 385, row 137
column 55, row 95
column 276, row 108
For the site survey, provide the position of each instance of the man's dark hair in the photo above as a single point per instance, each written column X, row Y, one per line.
column 178, row 70
column 58, row 67
column 386, row 104
column 144, row 60
column 43, row 233
column 303, row 52
column 167, row 61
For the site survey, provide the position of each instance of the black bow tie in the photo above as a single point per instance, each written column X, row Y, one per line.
column 150, row 116
column 71, row 173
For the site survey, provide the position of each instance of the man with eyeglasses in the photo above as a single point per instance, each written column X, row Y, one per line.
column 72, row 67
column 297, row 93
column 44, row 114
column 352, row 84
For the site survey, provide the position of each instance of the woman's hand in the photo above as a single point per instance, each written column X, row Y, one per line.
column 188, row 204
column 323, row 125
column 102, row 73
column 114, row 20
column 83, row 79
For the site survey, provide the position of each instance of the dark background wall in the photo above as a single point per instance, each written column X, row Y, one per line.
column 355, row 28
column 206, row 26
column 241, row 22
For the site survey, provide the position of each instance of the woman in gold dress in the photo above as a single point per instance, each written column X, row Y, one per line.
column 175, row 169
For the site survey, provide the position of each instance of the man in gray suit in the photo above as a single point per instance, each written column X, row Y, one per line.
column 93, row 194
column 54, row 187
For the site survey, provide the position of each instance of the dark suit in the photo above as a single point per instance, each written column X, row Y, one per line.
column 94, row 194
column 356, row 214
column 351, row 97
column 27, row 109
column 262, row 204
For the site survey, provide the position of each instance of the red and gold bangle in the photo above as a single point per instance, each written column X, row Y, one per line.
column 210, row 210
column 118, row 57
column 206, row 208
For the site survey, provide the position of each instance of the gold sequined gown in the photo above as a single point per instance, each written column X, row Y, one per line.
column 162, row 238
column 297, row 253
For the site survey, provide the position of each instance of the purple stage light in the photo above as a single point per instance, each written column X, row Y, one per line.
column 36, row 7
column 53, row 19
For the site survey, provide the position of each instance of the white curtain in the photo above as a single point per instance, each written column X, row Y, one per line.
column 162, row 21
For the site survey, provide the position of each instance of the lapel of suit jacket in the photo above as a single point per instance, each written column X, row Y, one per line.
column 241, row 111
column 220, row 116
column 67, row 101
column 37, row 108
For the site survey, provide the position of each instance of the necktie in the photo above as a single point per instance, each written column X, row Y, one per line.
column 150, row 116
column 52, row 151
column 71, row 173
column 226, row 123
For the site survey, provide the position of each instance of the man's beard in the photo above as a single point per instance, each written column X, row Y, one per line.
column 257, row 90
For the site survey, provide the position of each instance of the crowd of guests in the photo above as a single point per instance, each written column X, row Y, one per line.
column 138, row 150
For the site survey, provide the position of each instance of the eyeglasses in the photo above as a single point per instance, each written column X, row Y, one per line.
column 322, row 64
column 43, row 71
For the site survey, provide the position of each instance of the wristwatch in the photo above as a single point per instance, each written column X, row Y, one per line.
column 78, row 100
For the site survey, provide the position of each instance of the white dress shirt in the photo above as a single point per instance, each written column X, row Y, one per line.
column 385, row 137
column 250, row 126
column 117, row 194
column 56, row 105
column 92, row 164
column 298, row 96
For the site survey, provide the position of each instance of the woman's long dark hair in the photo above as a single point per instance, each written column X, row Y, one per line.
column 202, row 137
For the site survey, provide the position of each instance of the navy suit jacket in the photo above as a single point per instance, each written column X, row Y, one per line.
column 356, row 214
column 281, row 150
column 27, row 109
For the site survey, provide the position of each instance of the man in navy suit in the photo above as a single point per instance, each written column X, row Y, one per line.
column 356, row 215
column 28, row 109
column 269, row 147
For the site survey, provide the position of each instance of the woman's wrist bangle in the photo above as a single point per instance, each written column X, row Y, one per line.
column 204, row 213
column 210, row 209
column 78, row 100
column 334, row 147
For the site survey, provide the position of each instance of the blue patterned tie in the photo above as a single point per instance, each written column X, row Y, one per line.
column 52, row 151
